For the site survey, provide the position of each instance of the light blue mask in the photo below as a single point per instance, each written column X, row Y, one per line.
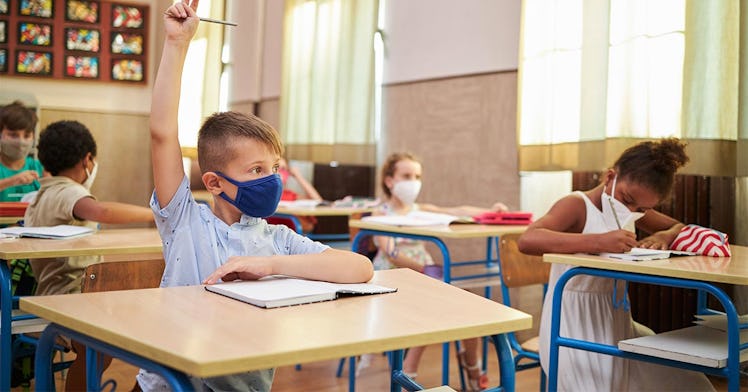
column 256, row 198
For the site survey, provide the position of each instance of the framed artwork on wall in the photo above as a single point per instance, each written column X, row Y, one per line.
column 3, row 60
column 94, row 40
column 127, row 16
column 33, row 63
column 82, row 11
column 86, row 67
column 126, row 43
column 36, row 8
column 86, row 40
column 36, row 34
column 127, row 70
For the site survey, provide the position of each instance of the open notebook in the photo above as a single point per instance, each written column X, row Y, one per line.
column 280, row 291
column 643, row 254
column 53, row 232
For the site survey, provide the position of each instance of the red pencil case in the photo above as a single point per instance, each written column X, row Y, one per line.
column 504, row 218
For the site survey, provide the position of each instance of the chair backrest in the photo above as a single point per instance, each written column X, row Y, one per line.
column 520, row 269
column 123, row 275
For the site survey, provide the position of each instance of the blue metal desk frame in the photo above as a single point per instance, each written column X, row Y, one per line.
column 731, row 371
column 491, row 244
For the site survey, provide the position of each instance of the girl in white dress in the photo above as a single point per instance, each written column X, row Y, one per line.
column 603, row 219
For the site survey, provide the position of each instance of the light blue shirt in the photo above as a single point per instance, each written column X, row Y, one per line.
column 196, row 242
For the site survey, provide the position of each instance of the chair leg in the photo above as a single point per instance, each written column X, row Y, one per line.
column 542, row 380
column 339, row 372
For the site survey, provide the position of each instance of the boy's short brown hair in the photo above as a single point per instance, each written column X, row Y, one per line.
column 16, row 117
column 214, row 141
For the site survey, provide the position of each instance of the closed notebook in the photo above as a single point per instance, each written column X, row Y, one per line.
column 278, row 291
column 52, row 232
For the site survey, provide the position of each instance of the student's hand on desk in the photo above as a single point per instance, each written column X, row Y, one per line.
column 654, row 242
column 25, row 177
column 241, row 268
column 499, row 207
column 617, row 241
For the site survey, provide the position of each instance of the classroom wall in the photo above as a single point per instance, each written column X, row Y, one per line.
column 116, row 113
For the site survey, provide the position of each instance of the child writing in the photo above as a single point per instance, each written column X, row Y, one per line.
column 68, row 151
column 603, row 220
column 401, row 183
column 19, row 173
column 239, row 157
column 310, row 193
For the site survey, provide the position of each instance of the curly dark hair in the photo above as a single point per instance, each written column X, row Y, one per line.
column 63, row 144
column 653, row 164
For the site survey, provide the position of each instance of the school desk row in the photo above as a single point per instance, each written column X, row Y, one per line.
column 692, row 272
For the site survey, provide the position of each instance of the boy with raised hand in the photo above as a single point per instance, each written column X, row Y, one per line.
column 239, row 157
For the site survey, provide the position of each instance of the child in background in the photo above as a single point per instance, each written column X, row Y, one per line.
column 401, row 183
column 603, row 220
column 239, row 157
column 310, row 193
column 19, row 173
column 68, row 151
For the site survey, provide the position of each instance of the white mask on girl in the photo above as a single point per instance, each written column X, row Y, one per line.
column 615, row 212
column 407, row 191
column 91, row 176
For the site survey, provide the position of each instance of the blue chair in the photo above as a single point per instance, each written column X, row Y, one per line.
column 518, row 270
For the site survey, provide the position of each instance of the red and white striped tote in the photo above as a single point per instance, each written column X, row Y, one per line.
column 702, row 240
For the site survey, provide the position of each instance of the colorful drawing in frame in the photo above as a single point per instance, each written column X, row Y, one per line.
column 3, row 31
column 126, row 43
column 127, row 70
column 34, row 34
column 33, row 63
column 86, row 40
column 4, row 7
column 127, row 16
column 85, row 67
column 82, row 11
column 3, row 60
column 38, row 8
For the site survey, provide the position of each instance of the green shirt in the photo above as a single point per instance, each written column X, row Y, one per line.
column 15, row 193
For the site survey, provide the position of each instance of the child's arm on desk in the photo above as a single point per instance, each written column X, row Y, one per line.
column 332, row 265
column 662, row 229
column 464, row 210
column 111, row 212
column 180, row 22
column 560, row 231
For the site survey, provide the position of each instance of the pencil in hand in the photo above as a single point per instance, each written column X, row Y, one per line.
column 210, row 20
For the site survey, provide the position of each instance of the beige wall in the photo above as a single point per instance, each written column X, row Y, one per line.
column 123, row 156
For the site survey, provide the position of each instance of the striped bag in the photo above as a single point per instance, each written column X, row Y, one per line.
column 702, row 240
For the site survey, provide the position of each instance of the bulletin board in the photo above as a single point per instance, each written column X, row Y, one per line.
column 89, row 40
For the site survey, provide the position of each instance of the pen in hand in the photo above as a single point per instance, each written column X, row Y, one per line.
column 210, row 20
column 615, row 215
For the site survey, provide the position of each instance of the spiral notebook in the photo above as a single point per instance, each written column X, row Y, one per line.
column 276, row 292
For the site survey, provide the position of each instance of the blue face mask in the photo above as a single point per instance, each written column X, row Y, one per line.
column 257, row 198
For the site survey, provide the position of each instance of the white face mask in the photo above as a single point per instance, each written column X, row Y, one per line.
column 91, row 176
column 615, row 212
column 407, row 191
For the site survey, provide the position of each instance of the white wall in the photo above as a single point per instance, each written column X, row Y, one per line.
column 426, row 39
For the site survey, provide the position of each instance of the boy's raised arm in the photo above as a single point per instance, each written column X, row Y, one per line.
column 180, row 22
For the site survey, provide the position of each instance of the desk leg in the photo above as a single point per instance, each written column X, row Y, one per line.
column 399, row 379
column 6, row 315
column 177, row 380
column 506, row 361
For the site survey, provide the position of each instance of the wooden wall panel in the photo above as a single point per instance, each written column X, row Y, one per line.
column 124, row 153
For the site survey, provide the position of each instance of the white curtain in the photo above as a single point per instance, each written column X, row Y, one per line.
column 328, row 72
